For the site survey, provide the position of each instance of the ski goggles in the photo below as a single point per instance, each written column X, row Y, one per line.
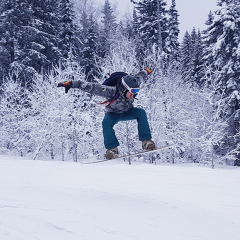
column 131, row 90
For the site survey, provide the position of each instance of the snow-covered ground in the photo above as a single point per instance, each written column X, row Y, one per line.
column 46, row 200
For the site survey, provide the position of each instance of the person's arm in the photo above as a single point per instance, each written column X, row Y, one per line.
column 142, row 75
column 91, row 88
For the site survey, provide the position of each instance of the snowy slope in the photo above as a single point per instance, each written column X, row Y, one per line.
column 115, row 201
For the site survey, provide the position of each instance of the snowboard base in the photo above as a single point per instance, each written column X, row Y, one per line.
column 130, row 155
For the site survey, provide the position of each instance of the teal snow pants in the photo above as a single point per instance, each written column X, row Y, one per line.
column 110, row 119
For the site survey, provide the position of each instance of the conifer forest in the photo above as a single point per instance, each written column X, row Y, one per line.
column 192, row 97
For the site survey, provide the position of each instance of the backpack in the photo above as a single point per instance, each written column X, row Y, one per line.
column 113, row 80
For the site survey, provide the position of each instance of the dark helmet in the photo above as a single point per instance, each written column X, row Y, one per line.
column 129, row 82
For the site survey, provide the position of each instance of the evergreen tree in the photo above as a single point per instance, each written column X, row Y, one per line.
column 135, row 20
column 197, row 58
column 66, row 28
column 126, row 27
column 30, row 36
column 89, row 50
column 11, row 26
column 109, row 27
column 186, row 56
column 172, row 42
column 210, row 19
column 192, row 57
column 152, row 24
column 37, row 39
column 139, row 45
column 222, row 55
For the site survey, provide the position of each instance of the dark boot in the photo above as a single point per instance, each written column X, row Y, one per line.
column 148, row 145
column 112, row 153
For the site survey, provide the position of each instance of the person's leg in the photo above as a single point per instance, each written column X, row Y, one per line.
column 141, row 117
column 110, row 140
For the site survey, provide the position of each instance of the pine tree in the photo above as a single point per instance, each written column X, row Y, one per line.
column 172, row 42
column 152, row 25
column 11, row 27
column 126, row 27
column 66, row 28
column 186, row 56
column 109, row 27
column 33, row 36
column 87, row 43
column 222, row 54
column 139, row 46
column 198, row 63
column 89, row 51
column 135, row 20
column 210, row 19
column 37, row 39
column 192, row 58
column 50, row 27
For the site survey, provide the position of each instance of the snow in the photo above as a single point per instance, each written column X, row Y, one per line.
column 229, row 24
column 47, row 200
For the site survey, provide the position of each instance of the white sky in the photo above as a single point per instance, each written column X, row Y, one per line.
column 193, row 13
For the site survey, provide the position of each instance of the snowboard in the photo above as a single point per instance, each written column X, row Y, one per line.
column 130, row 155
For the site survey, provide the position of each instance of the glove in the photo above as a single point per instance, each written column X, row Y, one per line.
column 149, row 71
column 67, row 85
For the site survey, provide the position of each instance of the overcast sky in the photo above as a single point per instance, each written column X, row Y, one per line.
column 193, row 13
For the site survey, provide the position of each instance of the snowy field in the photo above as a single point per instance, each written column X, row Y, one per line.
column 46, row 200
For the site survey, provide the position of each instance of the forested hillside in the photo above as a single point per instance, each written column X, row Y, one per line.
column 191, row 98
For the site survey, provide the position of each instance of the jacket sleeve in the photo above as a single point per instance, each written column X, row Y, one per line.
column 141, row 77
column 95, row 88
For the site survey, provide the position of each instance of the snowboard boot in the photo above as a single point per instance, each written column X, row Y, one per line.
column 148, row 145
column 112, row 153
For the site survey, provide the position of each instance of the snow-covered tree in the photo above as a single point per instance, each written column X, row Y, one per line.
column 8, row 28
column 198, row 62
column 222, row 55
column 14, row 111
column 172, row 42
column 89, row 51
column 15, row 18
column 88, row 46
column 66, row 28
column 47, row 122
column 33, row 36
column 152, row 23
column 210, row 19
column 192, row 58
column 108, row 27
column 186, row 55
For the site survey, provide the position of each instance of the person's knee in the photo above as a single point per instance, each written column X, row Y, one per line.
column 141, row 112
column 107, row 121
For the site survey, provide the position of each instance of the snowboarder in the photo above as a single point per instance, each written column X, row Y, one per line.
column 120, row 108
